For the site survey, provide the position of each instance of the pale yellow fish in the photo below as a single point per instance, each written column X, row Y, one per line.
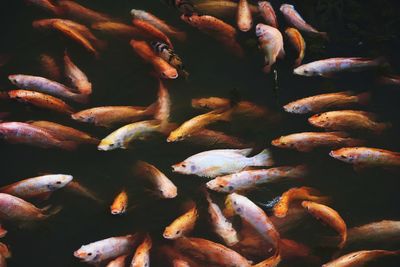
column 182, row 225
column 119, row 204
column 142, row 254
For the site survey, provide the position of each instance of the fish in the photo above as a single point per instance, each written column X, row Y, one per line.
column 220, row 8
column 50, row 67
column 376, row 232
column 220, row 30
column 184, row 6
column 118, row 262
column 168, row 54
column 360, row 258
column 3, row 232
column 174, row 257
column 307, row 141
column 324, row 102
column 220, row 224
column 45, row 5
column 294, row 217
column 5, row 253
column 210, row 252
column 271, row 43
column 183, row 225
column 78, row 78
column 120, row 203
column 161, row 67
column 215, row 139
column 218, row 162
column 24, row 133
column 63, row 132
column 15, row 209
column 362, row 157
column 158, row 23
column 163, row 105
column 250, row 179
column 40, row 187
column 198, row 123
column 109, row 116
column 151, row 31
column 163, row 186
column 77, row 188
column 267, row 12
column 106, row 249
column 297, row 193
column 293, row 18
column 349, row 120
column 142, row 254
column 124, row 136
column 118, row 29
column 256, row 217
column 389, row 79
column 76, row 11
column 45, row 86
column 41, row 100
column 296, row 40
column 244, row 17
column 331, row 66
column 328, row 216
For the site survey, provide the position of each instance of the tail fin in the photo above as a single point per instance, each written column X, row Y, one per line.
column 324, row 35
column 381, row 127
column 180, row 36
column 50, row 211
column 264, row 158
column 80, row 98
column 363, row 98
column 225, row 115
column 68, row 145
column 381, row 62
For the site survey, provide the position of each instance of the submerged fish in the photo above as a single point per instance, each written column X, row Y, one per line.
column 142, row 254
column 331, row 66
column 50, row 67
column 163, row 105
column 360, row 258
column 46, row 86
column 217, row 162
column 249, row 179
column 349, row 120
column 118, row 262
column 168, row 54
column 40, row 187
column 78, row 79
column 74, row 10
column 41, row 100
column 268, row 13
column 151, row 31
column 271, row 43
column 220, row 8
column 296, row 40
column 119, row 204
column 118, row 29
column 362, row 157
column 77, row 188
column 215, row 139
column 328, row 216
column 210, row 252
column 244, row 17
column 293, row 18
column 106, row 249
column 307, row 141
column 182, row 225
column 376, row 232
column 163, row 186
column 318, row 103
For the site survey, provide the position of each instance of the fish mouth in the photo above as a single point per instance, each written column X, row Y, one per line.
column 333, row 154
column 115, row 212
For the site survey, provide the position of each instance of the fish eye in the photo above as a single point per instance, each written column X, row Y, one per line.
column 90, row 254
column 178, row 232
column 183, row 165
column 343, row 156
column 58, row 182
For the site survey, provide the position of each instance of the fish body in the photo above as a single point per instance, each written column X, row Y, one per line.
column 41, row 100
column 106, row 249
column 244, row 17
column 182, row 225
column 297, row 41
column 37, row 187
column 151, row 31
column 77, row 77
column 221, row 8
column 168, row 54
column 119, row 204
column 382, row 231
column 109, row 116
column 210, row 252
column 307, row 141
column 329, row 216
column 162, row 184
column 331, row 66
column 215, row 139
column 118, row 262
column 46, row 86
column 50, row 67
column 63, row 132
column 294, row 217
column 367, row 157
column 249, row 179
column 293, row 18
column 268, row 13
column 163, row 105
column 271, row 43
column 118, row 29
column 218, row 162
column 359, row 258
column 323, row 102
column 74, row 10
column 197, row 123
column 142, row 254
column 24, row 133
column 348, row 120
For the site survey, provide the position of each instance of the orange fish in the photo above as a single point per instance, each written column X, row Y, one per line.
column 81, row 13
column 360, row 258
column 296, row 40
column 244, row 17
column 120, row 203
column 151, row 31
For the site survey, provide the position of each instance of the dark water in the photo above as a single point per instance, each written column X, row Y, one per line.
column 356, row 28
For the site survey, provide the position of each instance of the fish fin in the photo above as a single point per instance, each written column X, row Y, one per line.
column 381, row 127
column 80, row 98
column 43, row 196
column 180, row 36
column 324, row 35
column 281, row 54
column 244, row 152
column 267, row 69
column 363, row 98
column 50, row 211
column 3, row 232
column 263, row 159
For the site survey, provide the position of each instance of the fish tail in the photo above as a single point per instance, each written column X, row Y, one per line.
column 363, row 98
column 324, row 35
column 381, row 62
column 381, row 127
column 50, row 211
column 180, row 36
column 226, row 115
column 267, row 69
column 264, row 158
column 68, row 145
column 94, row 140
column 80, row 98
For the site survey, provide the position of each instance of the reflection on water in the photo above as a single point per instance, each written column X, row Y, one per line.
column 356, row 28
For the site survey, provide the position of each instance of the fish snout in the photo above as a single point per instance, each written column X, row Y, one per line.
column 170, row 74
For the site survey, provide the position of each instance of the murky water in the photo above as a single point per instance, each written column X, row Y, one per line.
column 356, row 28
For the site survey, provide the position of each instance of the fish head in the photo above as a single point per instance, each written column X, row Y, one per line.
column 15, row 79
column 135, row 13
column 106, row 145
column 344, row 154
column 319, row 120
column 168, row 191
column 117, row 209
column 219, row 185
column 306, row 70
column 59, row 181
column 191, row 19
column 281, row 142
column 83, row 117
column 296, row 108
column 262, row 29
column 184, row 167
column 286, row 7
column 175, row 136
column 171, row 232
column 87, row 254
column 170, row 73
